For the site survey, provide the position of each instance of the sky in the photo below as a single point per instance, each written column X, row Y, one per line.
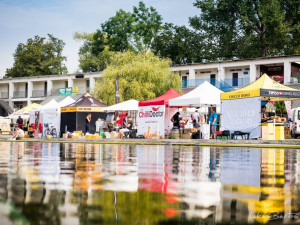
column 23, row 19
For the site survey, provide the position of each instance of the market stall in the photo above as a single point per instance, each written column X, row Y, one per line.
column 24, row 112
column 50, row 113
column 154, row 116
column 204, row 96
column 131, row 107
column 241, row 109
column 74, row 115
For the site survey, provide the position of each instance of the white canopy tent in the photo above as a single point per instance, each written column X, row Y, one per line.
column 130, row 105
column 204, row 95
column 50, row 113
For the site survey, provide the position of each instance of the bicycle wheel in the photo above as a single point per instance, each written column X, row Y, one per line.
column 54, row 133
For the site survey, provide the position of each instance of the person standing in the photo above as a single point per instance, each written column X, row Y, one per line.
column 213, row 123
column 175, row 119
column 20, row 122
column 87, row 123
column 196, row 116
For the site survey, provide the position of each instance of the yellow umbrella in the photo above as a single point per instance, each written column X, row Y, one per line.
column 27, row 109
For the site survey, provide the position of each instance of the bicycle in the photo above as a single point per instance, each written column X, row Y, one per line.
column 50, row 131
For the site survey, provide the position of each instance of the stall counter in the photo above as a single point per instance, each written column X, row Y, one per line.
column 267, row 131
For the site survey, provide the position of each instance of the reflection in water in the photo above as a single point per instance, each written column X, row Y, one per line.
column 52, row 183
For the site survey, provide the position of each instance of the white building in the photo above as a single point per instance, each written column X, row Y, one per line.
column 226, row 75
column 22, row 91
column 238, row 73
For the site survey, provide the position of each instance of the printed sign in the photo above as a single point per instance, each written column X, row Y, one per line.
column 281, row 94
column 151, row 121
column 68, row 90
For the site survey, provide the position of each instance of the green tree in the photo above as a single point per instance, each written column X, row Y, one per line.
column 248, row 28
column 39, row 56
column 180, row 44
column 280, row 107
column 93, row 54
column 141, row 76
column 134, row 31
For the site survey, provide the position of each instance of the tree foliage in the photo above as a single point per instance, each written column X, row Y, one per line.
column 134, row 31
column 141, row 76
column 248, row 28
column 280, row 107
column 39, row 56
column 180, row 44
column 94, row 54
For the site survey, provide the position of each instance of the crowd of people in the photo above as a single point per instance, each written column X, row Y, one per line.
column 197, row 121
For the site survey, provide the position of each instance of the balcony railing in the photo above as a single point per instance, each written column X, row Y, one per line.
column 20, row 94
column 238, row 82
column 227, row 85
column 38, row 93
column 4, row 95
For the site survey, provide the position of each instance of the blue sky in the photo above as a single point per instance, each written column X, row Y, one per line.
column 23, row 19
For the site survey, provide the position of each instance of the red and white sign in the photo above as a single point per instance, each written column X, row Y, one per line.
column 151, row 121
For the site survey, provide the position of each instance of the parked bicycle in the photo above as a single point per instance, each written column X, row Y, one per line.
column 50, row 130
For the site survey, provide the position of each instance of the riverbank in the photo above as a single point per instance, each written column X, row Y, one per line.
column 288, row 143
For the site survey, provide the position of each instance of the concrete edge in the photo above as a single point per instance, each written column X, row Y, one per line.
column 165, row 142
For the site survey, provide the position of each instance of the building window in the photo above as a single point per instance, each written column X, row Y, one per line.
column 87, row 84
column 184, row 81
column 213, row 79
column 235, row 79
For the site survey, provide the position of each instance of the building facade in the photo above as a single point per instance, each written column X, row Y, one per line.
column 22, row 91
column 233, row 74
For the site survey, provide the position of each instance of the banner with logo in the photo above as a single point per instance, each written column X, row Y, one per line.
column 151, row 121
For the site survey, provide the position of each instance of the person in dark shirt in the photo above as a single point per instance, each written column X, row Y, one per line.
column 125, row 120
column 175, row 119
column 197, row 134
column 20, row 122
column 87, row 123
column 128, row 127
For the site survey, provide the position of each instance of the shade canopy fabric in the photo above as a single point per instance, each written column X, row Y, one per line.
column 130, row 105
column 204, row 95
column 27, row 109
column 161, row 100
column 49, row 105
column 86, row 103
column 66, row 101
column 266, row 88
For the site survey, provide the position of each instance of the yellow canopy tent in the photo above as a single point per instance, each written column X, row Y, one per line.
column 266, row 88
column 241, row 109
column 27, row 109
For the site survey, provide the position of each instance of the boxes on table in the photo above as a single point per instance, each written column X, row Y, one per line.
column 186, row 136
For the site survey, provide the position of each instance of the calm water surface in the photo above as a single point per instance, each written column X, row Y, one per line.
column 52, row 183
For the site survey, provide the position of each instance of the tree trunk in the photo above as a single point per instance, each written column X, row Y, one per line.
column 263, row 43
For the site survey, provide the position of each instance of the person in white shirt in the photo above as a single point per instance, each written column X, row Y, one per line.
column 196, row 116
column 18, row 134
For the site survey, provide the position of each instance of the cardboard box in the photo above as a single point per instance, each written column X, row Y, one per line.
column 189, row 130
column 186, row 136
column 115, row 135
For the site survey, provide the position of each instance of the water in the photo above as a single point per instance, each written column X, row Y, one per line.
column 52, row 183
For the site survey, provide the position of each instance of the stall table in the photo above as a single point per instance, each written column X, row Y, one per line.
column 267, row 131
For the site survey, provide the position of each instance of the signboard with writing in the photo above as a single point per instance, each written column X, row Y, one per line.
column 68, row 90
column 151, row 121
